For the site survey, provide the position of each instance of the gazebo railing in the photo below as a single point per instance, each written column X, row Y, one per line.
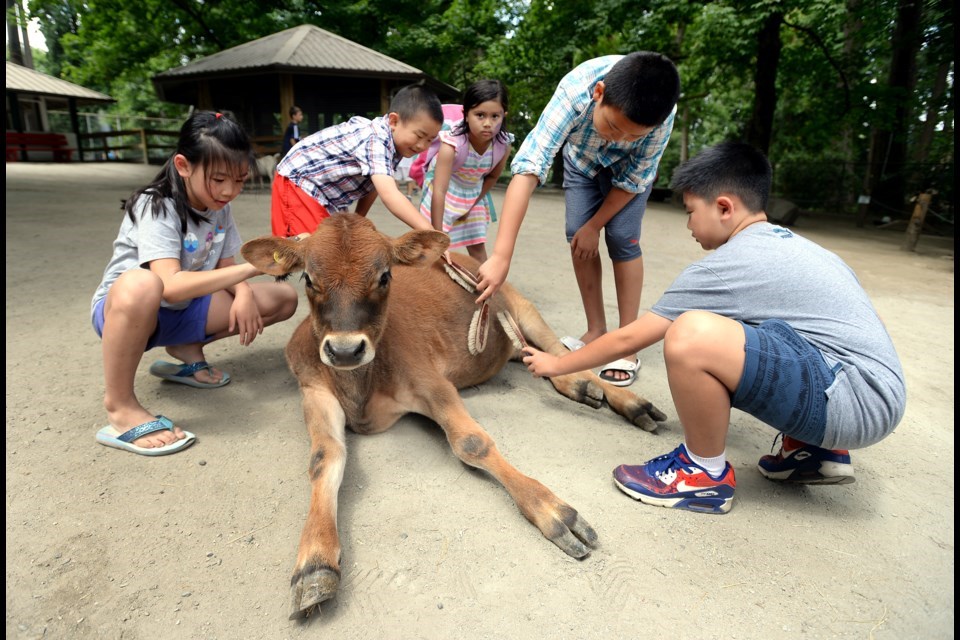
column 131, row 145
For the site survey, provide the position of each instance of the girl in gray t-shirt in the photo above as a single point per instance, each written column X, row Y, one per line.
column 173, row 281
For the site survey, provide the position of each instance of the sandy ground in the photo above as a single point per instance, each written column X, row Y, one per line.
column 104, row 544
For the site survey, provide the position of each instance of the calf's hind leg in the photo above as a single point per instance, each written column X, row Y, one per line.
column 584, row 386
column 316, row 576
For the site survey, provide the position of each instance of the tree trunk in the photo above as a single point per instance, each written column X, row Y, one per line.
column 890, row 158
column 921, row 149
column 13, row 33
column 760, row 127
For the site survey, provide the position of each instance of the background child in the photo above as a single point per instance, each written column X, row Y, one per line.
column 469, row 161
column 354, row 162
column 613, row 117
column 799, row 347
column 292, row 135
column 173, row 282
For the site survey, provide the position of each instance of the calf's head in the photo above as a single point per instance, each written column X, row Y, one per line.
column 346, row 266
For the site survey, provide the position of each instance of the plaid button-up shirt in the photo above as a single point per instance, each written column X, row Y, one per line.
column 567, row 121
column 334, row 165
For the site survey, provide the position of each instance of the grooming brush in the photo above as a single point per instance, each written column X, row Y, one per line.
column 480, row 323
column 512, row 329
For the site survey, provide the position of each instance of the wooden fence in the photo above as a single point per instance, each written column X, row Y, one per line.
column 148, row 145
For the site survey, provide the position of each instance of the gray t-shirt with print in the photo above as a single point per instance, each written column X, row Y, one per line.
column 768, row 272
column 150, row 238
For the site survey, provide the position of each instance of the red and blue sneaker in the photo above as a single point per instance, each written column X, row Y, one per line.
column 673, row 480
column 801, row 463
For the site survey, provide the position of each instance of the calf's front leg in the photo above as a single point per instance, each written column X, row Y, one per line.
column 558, row 521
column 316, row 575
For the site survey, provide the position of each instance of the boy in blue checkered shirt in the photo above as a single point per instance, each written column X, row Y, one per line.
column 612, row 116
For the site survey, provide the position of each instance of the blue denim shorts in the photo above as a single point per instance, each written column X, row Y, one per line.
column 785, row 381
column 174, row 326
column 583, row 198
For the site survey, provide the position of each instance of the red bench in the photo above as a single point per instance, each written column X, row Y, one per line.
column 18, row 144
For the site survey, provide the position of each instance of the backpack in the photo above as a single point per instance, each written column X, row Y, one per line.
column 452, row 116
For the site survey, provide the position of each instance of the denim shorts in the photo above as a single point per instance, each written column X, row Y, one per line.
column 583, row 198
column 174, row 326
column 785, row 381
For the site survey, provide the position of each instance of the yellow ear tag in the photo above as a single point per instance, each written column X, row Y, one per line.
column 276, row 257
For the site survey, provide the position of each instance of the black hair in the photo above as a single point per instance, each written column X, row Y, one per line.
column 644, row 85
column 479, row 92
column 414, row 99
column 294, row 110
column 729, row 167
column 207, row 139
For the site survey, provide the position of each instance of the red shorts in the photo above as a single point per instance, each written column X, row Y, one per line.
column 292, row 210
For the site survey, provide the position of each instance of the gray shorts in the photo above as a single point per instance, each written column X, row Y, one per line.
column 583, row 198
column 784, row 381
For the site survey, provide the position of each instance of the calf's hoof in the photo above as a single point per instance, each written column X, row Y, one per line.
column 646, row 416
column 309, row 587
column 572, row 533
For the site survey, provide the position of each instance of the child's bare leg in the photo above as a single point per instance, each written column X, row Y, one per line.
column 130, row 316
column 276, row 301
column 478, row 252
column 628, row 277
column 590, row 281
column 704, row 356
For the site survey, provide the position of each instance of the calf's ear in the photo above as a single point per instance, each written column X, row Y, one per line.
column 272, row 255
column 420, row 248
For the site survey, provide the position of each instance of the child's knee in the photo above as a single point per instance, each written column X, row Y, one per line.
column 288, row 302
column 688, row 331
column 137, row 289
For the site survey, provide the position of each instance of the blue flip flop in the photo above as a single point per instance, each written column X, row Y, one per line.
column 183, row 373
column 112, row 438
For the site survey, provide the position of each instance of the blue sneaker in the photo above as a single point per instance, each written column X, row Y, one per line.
column 801, row 463
column 673, row 480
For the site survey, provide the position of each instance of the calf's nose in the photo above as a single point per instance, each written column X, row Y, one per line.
column 344, row 352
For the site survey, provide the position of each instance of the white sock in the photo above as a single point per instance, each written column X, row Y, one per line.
column 714, row 466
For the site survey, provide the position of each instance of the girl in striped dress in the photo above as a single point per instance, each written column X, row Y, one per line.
column 471, row 157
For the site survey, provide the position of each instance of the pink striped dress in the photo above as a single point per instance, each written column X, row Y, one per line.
column 464, row 227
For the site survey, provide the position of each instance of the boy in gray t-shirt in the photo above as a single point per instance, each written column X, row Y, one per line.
column 798, row 346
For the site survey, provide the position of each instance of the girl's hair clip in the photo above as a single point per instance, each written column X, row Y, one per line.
column 219, row 115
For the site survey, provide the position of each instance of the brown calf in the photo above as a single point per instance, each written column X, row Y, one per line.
column 387, row 335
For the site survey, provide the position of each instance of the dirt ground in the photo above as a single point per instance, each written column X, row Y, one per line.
column 101, row 543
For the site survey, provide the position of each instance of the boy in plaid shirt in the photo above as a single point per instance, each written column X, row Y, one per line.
column 613, row 117
column 354, row 162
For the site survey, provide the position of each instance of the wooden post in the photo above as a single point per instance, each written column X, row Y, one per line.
column 143, row 145
column 915, row 226
column 287, row 100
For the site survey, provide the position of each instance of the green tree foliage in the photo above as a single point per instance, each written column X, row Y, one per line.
column 820, row 106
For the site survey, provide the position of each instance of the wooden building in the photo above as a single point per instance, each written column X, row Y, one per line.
column 329, row 77
column 32, row 94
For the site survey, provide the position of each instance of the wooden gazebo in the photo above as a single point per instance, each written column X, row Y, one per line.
column 329, row 77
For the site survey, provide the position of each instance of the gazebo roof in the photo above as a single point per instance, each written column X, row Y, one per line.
column 22, row 79
column 303, row 49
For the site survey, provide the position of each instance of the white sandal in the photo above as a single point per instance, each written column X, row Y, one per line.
column 624, row 366
column 571, row 343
